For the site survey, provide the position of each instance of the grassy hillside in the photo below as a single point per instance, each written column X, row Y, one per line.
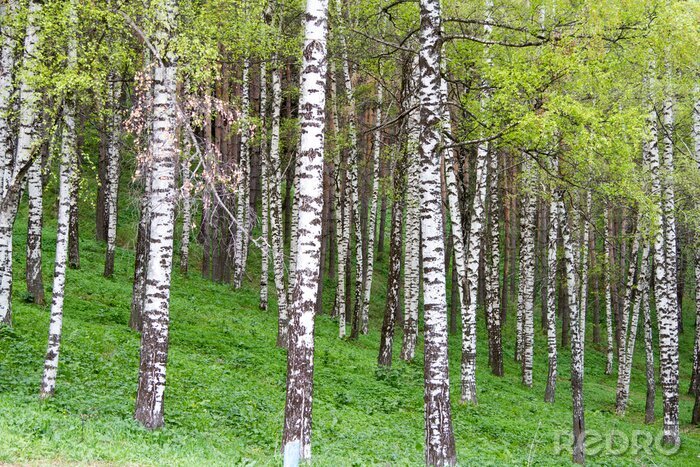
column 225, row 393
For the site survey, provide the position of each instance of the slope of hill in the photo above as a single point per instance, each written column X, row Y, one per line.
column 225, row 392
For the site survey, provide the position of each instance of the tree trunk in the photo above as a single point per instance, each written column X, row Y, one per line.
column 413, row 233
column 579, row 430
column 667, row 313
column 243, row 190
column 629, row 325
column 27, row 140
column 112, row 179
column 393, row 287
column 494, row 271
column 276, row 211
column 296, row 438
column 35, row 189
column 607, row 277
column 371, row 229
column 156, row 311
column 439, row 437
column 555, row 209
column 526, row 291
column 69, row 156
column 265, row 188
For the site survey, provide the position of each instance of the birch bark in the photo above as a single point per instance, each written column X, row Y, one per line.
column 296, row 438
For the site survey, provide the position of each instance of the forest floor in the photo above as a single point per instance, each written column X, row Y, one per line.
column 226, row 385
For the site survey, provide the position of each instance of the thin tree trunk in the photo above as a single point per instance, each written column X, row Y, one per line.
column 494, row 271
column 27, row 140
column 526, row 292
column 371, row 229
column 393, row 281
column 629, row 327
column 265, row 188
column 607, row 248
column 555, row 209
column 112, row 179
column 35, row 189
column 579, row 430
column 413, row 233
column 69, row 155
column 296, row 438
column 243, row 189
column 276, row 210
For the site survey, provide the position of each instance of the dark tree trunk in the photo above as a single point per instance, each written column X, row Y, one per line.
column 73, row 237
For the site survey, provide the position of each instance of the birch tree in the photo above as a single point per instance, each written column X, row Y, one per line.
column 69, row 156
column 163, row 151
column 276, row 210
column 555, row 209
column 113, row 171
column 28, row 140
column 296, row 437
column 667, row 316
column 439, row 437
column 242, row 217
column 371, row 228
column 265, row 187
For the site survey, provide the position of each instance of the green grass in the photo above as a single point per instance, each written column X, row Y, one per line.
column 226, row 379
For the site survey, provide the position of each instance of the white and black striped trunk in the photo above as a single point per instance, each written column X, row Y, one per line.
column 625, row 326
column 112, row 191
column 666, row 310
column 265, row 187
column 439, row 437
column 579, row 430
column 393, row 281
column 69, row 157
column 156, row 312
column 607, row 249
column 7, row 64
column 35, row 221
column 371, row 228
column 276, row 210
column 555, row 208
column 413, row 234
column 242, row 215
column 526, row 292
column 296, row 438
column 28, row 141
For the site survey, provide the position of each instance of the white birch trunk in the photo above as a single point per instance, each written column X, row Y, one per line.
column 555, row 208
column 276, row 210
column 242, row 214
column 341, row 213
column 667, row 315
column 527, row 278
column 28, row 141
column 163, row 150
column 69, row 157
column 7, row 64
column 579, row 430
column 439, row 437
column 112, row 172
column 607, row 248
column 296, row 438
column 413, row 234
column 371, row 227
column 265, row 186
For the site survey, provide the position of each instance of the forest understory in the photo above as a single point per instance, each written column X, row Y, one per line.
column 227, row 382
